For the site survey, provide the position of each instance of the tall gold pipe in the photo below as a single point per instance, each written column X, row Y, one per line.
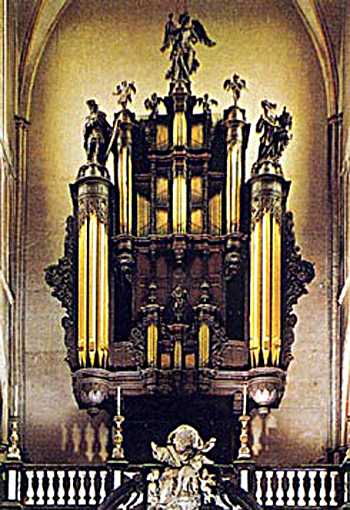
column 276, row 294
column 255, row 294
column 266, row 287
column 123, row 189
column 233, row 187
column 93, row 253
column 82, row 293
column 177, row 354
column 237, row 211
column 106, row 299
column 152, row 345
column 129, row 199
column 102, row 311
column 179, row 203
column 229, row 191
column 204, row 339
column 180, row 128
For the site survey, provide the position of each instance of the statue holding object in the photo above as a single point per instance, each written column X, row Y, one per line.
column 181, row 39
column 275, row 134
column 97, row 134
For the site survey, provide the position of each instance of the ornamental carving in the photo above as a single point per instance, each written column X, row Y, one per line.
column 93, row 205
column 270, row 202
column 61, row 277
column 298, row 274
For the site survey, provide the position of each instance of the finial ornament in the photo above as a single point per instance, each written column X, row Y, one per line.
column 124, row 92
column 235, row 85
column 181, row 38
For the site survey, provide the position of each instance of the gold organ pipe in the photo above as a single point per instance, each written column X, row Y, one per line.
column 93, row 252
column 233, row 187
column 123, row 189
column 229, row 197
column 179, row 203
column 129, row 199
column 152, row 345
column 180, row 128
column 204, row 339
column 103, row 304
column 177, row 354
column 266, row 286
column 276, row 294
column 255, row 294
column 237, row 190
column 82, row 293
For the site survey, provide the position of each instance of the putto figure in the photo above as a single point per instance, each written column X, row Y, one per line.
column 152, row 103
column 235, row 85
column 124, row 92
column 184, row 481
column 97, row 133
column 181, row 39
column 275, row 134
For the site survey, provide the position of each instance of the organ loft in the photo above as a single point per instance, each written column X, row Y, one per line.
column 180, row 268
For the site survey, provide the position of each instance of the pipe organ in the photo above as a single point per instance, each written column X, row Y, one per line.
column 180, row 274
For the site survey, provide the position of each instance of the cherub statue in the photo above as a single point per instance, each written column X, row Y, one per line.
column 181, row 39
column 97, row 133
column 235, row 85
column 184, row 453
column 124, row 91
column 275, row 133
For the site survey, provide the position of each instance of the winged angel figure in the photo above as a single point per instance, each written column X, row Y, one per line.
column 181, row 39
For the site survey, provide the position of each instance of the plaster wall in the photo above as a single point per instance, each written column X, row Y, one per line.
column 95, row 45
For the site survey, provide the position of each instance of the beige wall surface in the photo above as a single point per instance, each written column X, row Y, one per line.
column 96, row 44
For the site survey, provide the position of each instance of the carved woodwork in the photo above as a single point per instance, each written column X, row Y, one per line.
column 184, row 235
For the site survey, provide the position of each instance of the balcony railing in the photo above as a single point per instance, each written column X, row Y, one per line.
column 70, row 486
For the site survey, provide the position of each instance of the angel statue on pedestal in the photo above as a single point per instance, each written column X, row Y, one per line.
column 181, row 39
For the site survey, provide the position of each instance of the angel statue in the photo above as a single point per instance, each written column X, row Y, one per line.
column 181, row 39
column 235, row 85
column 275, row 133
column 206, row 103
column 124, row 91
column 185, row 480
column 152, row 103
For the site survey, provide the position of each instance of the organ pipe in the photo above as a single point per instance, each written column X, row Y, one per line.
column 93, row 271
column 235, row 167
column 266, row 270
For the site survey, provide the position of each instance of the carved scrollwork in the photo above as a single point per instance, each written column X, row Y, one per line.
column 138, row 342
column 61, row 277
column 219, row 339
column 298, row 273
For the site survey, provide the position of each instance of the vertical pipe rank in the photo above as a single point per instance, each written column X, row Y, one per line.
column 235, row 124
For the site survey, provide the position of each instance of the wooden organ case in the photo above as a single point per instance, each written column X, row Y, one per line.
column 179, row 274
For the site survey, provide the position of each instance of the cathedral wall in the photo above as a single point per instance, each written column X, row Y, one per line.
column 96, row 44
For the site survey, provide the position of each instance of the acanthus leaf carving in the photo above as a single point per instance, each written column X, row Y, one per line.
column 298, row 273
column 61, row 277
